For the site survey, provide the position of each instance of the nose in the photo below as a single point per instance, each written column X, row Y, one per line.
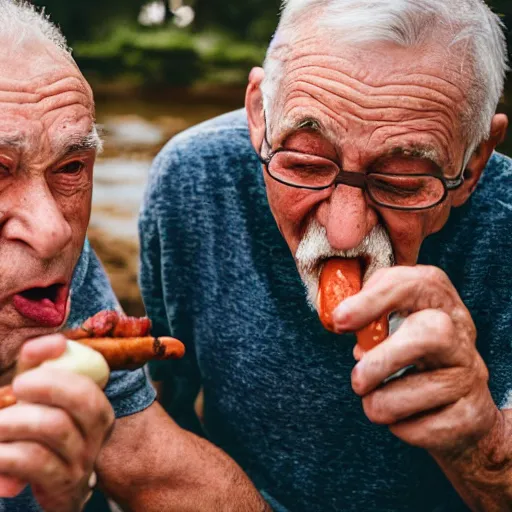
column 37, row 221
column 346, row 217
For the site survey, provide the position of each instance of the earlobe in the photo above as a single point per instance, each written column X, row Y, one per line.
column 480, row 158
column 499, row 128
column 254, row 108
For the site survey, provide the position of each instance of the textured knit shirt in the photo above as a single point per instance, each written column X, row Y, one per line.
column 128, row 392
column 277, row 391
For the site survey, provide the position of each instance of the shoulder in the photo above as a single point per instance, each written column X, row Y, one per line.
column 90, row 288
column 198, row 163
column 212, row 142
column 496, row 180
column 500, row 163
column 490, row 206
column 219, row 133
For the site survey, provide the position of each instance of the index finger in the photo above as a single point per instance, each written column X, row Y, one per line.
column 407, row 289
column 78, row 395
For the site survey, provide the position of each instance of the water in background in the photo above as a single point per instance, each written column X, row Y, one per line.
column 134, row 131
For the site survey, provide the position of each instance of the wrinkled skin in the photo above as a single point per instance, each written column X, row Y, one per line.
column 372, row 100
column 44, row 212
column 52, row 439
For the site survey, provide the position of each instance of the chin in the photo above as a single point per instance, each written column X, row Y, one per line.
column 14, row 332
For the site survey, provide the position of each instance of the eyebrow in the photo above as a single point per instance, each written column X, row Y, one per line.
column 66, row 146
column 78, row 144
column 416, row 151
column 412, row 151
column 289, row 127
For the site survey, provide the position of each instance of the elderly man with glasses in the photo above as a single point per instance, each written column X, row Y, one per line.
column 369, row 134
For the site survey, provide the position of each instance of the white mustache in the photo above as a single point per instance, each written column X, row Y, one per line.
column 315, row 248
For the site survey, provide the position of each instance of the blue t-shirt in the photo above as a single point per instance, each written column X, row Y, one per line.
column 277, row 392
column 128, row 392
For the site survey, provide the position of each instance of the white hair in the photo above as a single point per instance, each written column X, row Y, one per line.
column 21, row 21
column 406, row 23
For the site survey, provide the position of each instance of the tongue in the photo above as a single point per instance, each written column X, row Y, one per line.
column 35, row 305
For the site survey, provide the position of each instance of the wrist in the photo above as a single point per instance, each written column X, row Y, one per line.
column 486, row 455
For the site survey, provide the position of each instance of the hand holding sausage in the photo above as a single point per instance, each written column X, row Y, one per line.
column 116, row 354
column 445, row 406
column 51, row 438
column 340, row 279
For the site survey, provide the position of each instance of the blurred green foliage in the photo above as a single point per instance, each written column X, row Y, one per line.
column 252, row 20
column 167, row 55
column 227, row 38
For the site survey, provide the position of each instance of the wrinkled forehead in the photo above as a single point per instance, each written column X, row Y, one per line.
column 371, row 74
column 44, row 98
column 368, row 100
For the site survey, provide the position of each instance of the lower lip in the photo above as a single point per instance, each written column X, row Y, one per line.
column 44, row 312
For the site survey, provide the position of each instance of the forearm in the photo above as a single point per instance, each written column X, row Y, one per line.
column 482, row 475
column 168, row 468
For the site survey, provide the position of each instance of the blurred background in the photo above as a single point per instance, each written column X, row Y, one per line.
column 158, row 67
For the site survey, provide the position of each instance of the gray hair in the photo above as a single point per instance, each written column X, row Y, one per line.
column 407, row 23
column 20, row 20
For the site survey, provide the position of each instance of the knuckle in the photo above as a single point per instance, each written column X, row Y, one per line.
column 479, row 371
column 377, row 410
column 60, row 424
column 358, row 381
column 460, row 382
column 440, row 327
column 37, row 452
column 100, row 408
column 381, row 274
column 432, row 275
column 468, row 416
column 442, row 323
column 93, row 402
column 42, row 458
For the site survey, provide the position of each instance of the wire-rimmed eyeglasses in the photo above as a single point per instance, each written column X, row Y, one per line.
column 399, row 191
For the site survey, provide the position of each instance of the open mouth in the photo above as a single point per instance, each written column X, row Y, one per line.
column 364, row 262
column 45, row 306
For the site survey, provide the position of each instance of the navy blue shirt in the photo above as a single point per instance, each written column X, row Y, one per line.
column 278, row 398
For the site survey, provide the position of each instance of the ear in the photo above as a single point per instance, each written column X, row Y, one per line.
column 254, row 108
column 479, row 159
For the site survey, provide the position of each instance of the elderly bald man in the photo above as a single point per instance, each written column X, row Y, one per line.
column 57, row 434
column 370, row 133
